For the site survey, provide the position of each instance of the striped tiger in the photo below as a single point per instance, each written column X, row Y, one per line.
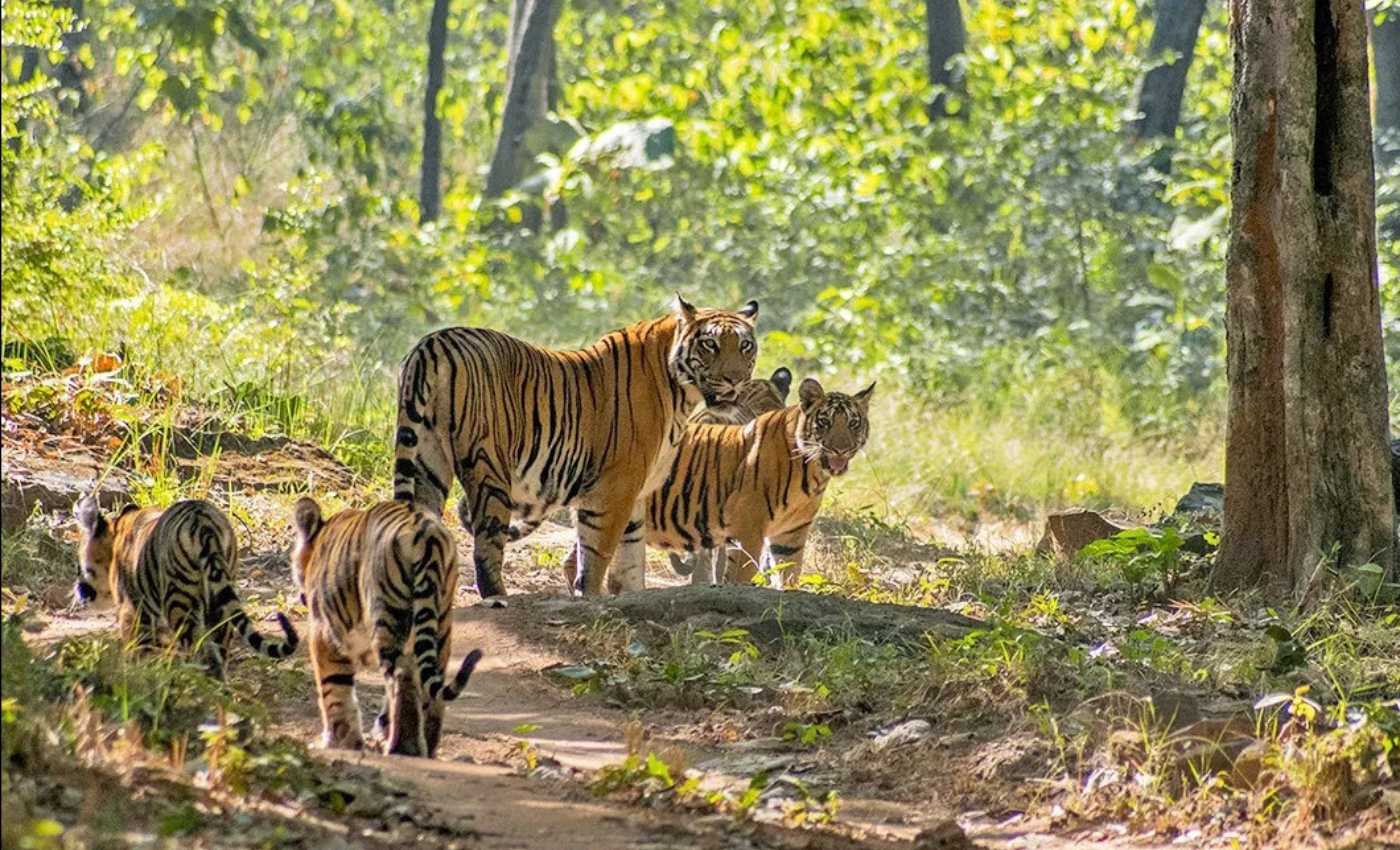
column 528, row 430
column 170, row 573
column 754, row 396
column 378, row 584
column 756, row 482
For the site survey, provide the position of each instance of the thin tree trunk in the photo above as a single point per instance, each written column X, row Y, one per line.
column 1175, row 27
column 1385, row 51
column 946, row 37
column 430, row 185
column 1306, row 461
column 527, row 90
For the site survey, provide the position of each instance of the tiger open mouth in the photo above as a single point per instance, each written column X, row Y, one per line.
column 836, row 464
column 84, row 593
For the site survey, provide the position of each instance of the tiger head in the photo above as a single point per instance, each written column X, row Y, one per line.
column 832, row 427
column 714, row 350
column 96, row 549
column 754, row 398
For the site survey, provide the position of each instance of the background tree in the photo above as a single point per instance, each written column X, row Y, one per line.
column 430, row 188
column 1385, row 52
column 1176, row 25
column 528, row 90
column 1306, row 460
column 945, row 36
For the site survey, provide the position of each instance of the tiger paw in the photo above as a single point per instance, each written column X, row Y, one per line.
column 492, row 602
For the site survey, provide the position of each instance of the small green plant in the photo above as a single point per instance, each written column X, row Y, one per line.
column 806, row 734
column 525, row 748
column 1142, row 555
column 647, row 775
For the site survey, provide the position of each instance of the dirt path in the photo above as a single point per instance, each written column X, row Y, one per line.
column 477, row 779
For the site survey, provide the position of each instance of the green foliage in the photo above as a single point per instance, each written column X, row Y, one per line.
column 1142, row 554
column 244, row 173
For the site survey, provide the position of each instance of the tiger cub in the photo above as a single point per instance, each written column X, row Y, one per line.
column 379, row 585
column 170, row 573
column 754, row 396
column 761, row 481
column 528, row 430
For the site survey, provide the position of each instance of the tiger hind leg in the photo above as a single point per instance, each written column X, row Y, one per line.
column 335, row 682
column 485, row 509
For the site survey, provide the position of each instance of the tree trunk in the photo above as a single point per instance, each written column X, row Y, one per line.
column 1175, row 27
column 528, row 90
column 943, row 28
column 1306, row 458
column 1385, row 50
column 430, row 185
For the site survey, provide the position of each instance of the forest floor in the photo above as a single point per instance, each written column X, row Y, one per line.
column 1040, row 710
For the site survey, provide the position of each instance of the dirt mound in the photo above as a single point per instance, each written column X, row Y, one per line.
column 769, row 615
column 51, row 463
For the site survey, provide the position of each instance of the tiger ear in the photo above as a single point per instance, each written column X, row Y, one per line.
column 89, row 516
column 306, row 515
column 782, row 382
column 750, row 310
column 685, row 311
column 863, row 397
column 810, row 393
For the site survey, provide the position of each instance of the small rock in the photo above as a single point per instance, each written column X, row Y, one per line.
column 903, row 733
column 1202, row 498
column 1068, row 532
column 944, row 835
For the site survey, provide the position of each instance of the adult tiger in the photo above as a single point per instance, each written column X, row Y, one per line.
column 754, row 397
column 756, row 482
column 170, row 573
column 379, row 585
column 527, row 430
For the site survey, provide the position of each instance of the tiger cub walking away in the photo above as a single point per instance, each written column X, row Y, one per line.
column 170, row 573
column 762, row 481
column 755, row 396
column 527, row 430
column 379, row 585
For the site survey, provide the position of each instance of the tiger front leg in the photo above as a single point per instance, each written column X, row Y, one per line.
column 335, row 683
column 786, row 551
column 629, row 569
column 599, row 535
column 744, row 559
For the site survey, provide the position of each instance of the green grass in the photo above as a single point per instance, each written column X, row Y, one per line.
column 1016, row 460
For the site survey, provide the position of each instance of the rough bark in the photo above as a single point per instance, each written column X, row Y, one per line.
column 1175, row 27
column 1306, row 449
column 430, row 183
column 1385, row 52
column 528, row 90
column 946, row 37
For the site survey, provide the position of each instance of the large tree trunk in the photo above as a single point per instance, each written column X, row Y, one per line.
column 529, row 90
column 943, row 29
column 1306, row 449
column 430, row 184
column 1175, row 26
column 1385, row 50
